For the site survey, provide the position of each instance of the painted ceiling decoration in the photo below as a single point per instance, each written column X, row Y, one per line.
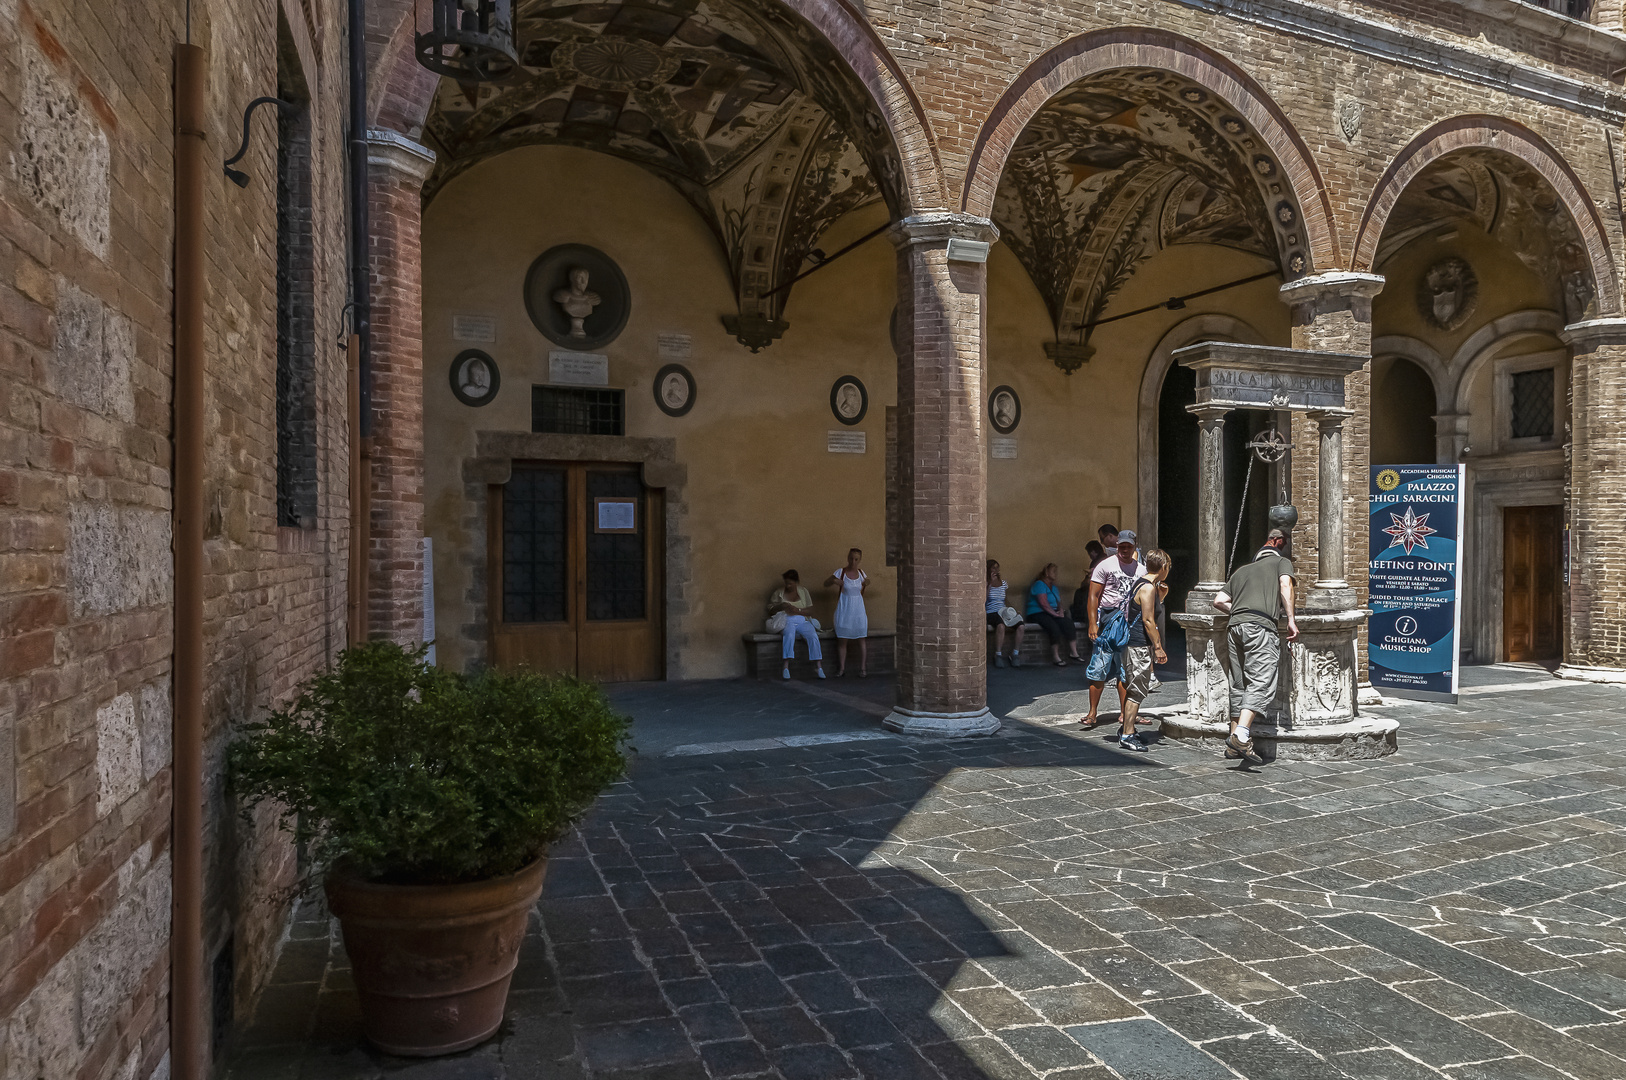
column 1122, row 165
column 1509, row 201
column 744, row 109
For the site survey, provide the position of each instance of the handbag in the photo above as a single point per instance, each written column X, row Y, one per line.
column 1010, row 616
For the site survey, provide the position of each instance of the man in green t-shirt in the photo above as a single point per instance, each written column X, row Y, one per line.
column 1255, row 598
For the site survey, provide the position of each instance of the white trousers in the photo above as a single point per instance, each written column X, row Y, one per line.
column 800, row 624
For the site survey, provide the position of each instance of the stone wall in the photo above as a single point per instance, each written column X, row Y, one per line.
column 86, row 233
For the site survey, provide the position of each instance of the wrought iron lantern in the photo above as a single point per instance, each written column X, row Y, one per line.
column 471, row 41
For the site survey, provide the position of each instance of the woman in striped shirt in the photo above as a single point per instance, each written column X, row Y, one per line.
column 996, row 604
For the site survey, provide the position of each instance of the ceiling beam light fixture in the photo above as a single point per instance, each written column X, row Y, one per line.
column 471, row 41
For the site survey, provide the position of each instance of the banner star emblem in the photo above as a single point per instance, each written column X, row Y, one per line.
column 1410, row 530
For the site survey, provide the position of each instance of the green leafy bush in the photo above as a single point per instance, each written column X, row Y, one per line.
column 411, row 774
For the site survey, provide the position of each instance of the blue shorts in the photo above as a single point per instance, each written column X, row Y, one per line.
column 1107, row 665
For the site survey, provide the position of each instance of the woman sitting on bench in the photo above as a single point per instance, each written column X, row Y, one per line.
column 793, row 602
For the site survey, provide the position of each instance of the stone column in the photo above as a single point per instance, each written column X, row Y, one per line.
column 1332, row 591
column 1332, row 312
column 1450, row 437
column 1595, row 597
column 1210, row 506
column 397, row 168
column 942, row 476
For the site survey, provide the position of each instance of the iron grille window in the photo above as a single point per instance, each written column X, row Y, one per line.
column 1575, row 9
column 559, row 410
column 1533, row 404
column 534, row 546
column 615, row 561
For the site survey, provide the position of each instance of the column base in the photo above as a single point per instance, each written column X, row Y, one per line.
column 941, row 725
column 1328, row 597
column 1588, row 673
column 1200, row 600
column 1361, row 738
column 1367, row 694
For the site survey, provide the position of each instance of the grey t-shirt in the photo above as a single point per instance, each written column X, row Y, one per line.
column 1255, row 590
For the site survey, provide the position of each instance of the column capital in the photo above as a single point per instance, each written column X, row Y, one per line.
column 937, row 228
column 1210, row 415
column 391, row 150
column 1331, row 419
column 1340, row 284
column 1588, row 335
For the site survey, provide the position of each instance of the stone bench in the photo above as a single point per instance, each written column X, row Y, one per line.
column 1036, row 643
column 762, row 659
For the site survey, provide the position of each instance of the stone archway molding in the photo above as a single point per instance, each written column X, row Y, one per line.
column 1198, row 328
column 409, row 91
column 1492, row 133
column 1144, row 47
column 1423, row 355
column 1489, row 341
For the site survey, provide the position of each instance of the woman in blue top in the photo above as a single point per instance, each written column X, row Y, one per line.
column 1044, row 608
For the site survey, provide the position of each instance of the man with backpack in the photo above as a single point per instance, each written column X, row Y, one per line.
column 1109, row 622
column 1255, row 598
column 1145, row 645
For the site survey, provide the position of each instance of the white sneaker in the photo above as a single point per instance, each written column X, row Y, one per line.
column 785, row 674
column 821, row 673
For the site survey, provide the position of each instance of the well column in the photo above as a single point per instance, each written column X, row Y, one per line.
column 942, row 476
column 1595, row 501
column 397, row 169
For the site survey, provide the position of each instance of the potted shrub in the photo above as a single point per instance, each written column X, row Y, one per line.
column 429, row 799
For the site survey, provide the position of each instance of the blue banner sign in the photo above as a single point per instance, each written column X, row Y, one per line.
column 1415, row 579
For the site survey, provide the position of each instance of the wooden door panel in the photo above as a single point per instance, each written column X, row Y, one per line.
column 1532, row 627
column 564, row 596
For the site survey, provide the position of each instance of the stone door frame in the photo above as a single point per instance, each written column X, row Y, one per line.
column 1534, row 478
column 492, row 465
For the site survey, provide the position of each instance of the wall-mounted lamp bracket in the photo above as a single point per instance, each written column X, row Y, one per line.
column 241, row 178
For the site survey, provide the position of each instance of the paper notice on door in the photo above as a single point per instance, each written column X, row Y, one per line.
column 615, row 515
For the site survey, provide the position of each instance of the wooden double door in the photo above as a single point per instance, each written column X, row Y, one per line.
column 576, row 556
column 1532, row 577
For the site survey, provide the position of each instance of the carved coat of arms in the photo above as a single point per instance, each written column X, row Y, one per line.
column 1447, row 293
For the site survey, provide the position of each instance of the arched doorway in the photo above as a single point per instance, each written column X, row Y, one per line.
column 1402, row 412
column 694, row 160
column 1487, row 251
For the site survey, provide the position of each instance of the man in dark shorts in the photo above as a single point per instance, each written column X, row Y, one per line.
column 1145, row 642
column 1255, row 598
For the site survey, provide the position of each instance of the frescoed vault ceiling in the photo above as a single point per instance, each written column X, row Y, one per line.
column 743, row 108
column 1129, row 162
column 1502, row 196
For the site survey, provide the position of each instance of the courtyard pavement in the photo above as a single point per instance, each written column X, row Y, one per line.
column 781, row 889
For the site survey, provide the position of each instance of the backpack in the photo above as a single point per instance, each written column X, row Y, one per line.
column 1080, row 611
column 1116, row 622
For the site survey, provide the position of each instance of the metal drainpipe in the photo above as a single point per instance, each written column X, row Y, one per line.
column 361, row 341
column 360, row 502
column 188, row 1039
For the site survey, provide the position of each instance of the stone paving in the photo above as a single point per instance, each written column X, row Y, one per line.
column 1040, row 904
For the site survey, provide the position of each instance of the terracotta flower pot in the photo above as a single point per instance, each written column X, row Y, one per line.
column 432, row 963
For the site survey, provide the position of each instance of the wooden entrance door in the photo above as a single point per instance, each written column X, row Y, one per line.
column 1532, row 574
column 576, row 553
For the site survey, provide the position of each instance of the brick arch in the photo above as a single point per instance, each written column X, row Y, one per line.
column 408, row 91
column 1141, row 47
column 1505, row 136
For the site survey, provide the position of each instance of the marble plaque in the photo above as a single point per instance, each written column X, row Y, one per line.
column 474, row 328
column 1004, row 446
column 845, row 442
column 578, row 369
column 675, row 346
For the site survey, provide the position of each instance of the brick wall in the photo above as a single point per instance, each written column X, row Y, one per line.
column 86, row 231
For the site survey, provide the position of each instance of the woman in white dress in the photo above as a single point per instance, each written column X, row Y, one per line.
column 852, row 621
